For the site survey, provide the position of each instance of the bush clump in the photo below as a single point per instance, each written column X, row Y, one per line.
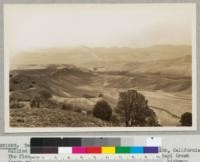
column 67, row 106
column 19, row 96
column 35, row 102
column 15, row 105
column 100, row 95
column 102, row 110
column 43, row 99
column 88, row 96
column 186, row 119
column 89, row 112
column 115, row 119
column 77, row 109
column 51, row 103
column 45, row 94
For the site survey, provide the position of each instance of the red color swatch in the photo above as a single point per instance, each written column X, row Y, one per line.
column 93, row 150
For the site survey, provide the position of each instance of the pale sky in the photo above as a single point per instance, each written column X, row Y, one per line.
column 30, row 27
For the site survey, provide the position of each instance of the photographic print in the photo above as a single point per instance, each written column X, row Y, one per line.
column 100, row 67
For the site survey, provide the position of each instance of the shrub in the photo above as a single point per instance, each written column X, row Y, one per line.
column 19, row 96
column 67, row 106
column 11, row 88
column 44, row 94
column 100, row 95
column 31, row 86
column 33, row 82
column 15, row 105
column 89, row 112
column 20, row 120
column 102, row 110
column 186, row 119
column 115, row 119
column 118, row 111
column 20, row 82
column 35, row 102
column 71, row 107
column 88, row 96
column 77, row 109
column 51, row 103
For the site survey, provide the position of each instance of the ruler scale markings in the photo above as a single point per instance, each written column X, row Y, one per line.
column 91, row 149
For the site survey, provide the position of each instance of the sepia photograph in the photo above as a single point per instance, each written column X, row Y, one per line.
column 100, row 67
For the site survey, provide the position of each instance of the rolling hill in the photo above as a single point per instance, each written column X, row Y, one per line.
column 82, row 76
column 97, row 57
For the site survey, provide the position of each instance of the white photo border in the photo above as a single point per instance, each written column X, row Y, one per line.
column 9, row 129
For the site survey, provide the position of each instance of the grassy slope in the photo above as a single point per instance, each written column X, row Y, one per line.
column 45, row 117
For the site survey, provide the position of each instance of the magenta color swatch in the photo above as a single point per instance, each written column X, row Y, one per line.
column 78, row 150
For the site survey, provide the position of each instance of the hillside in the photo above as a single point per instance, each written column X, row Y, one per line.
column 178, row 67
column 57, row 81
column 77, row 78
column 70, row 81
column 28, row 117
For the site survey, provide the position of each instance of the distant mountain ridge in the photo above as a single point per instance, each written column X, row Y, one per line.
column 100, row 56
column 181, row 66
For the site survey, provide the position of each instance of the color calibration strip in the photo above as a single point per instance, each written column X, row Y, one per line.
column 107, row 150
column 86, row 146
column 95, row 150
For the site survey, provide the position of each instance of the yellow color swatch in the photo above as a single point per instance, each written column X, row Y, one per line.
column 108, row 150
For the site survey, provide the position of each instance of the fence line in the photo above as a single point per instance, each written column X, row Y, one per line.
column 158, row 108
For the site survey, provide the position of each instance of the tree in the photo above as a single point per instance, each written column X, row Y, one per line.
column 135, row 110
column 186, row 119
column 102, row 110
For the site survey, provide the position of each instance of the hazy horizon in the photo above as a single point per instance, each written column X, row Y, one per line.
column 30, row 27
column 39, row 50
column 90, row 57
